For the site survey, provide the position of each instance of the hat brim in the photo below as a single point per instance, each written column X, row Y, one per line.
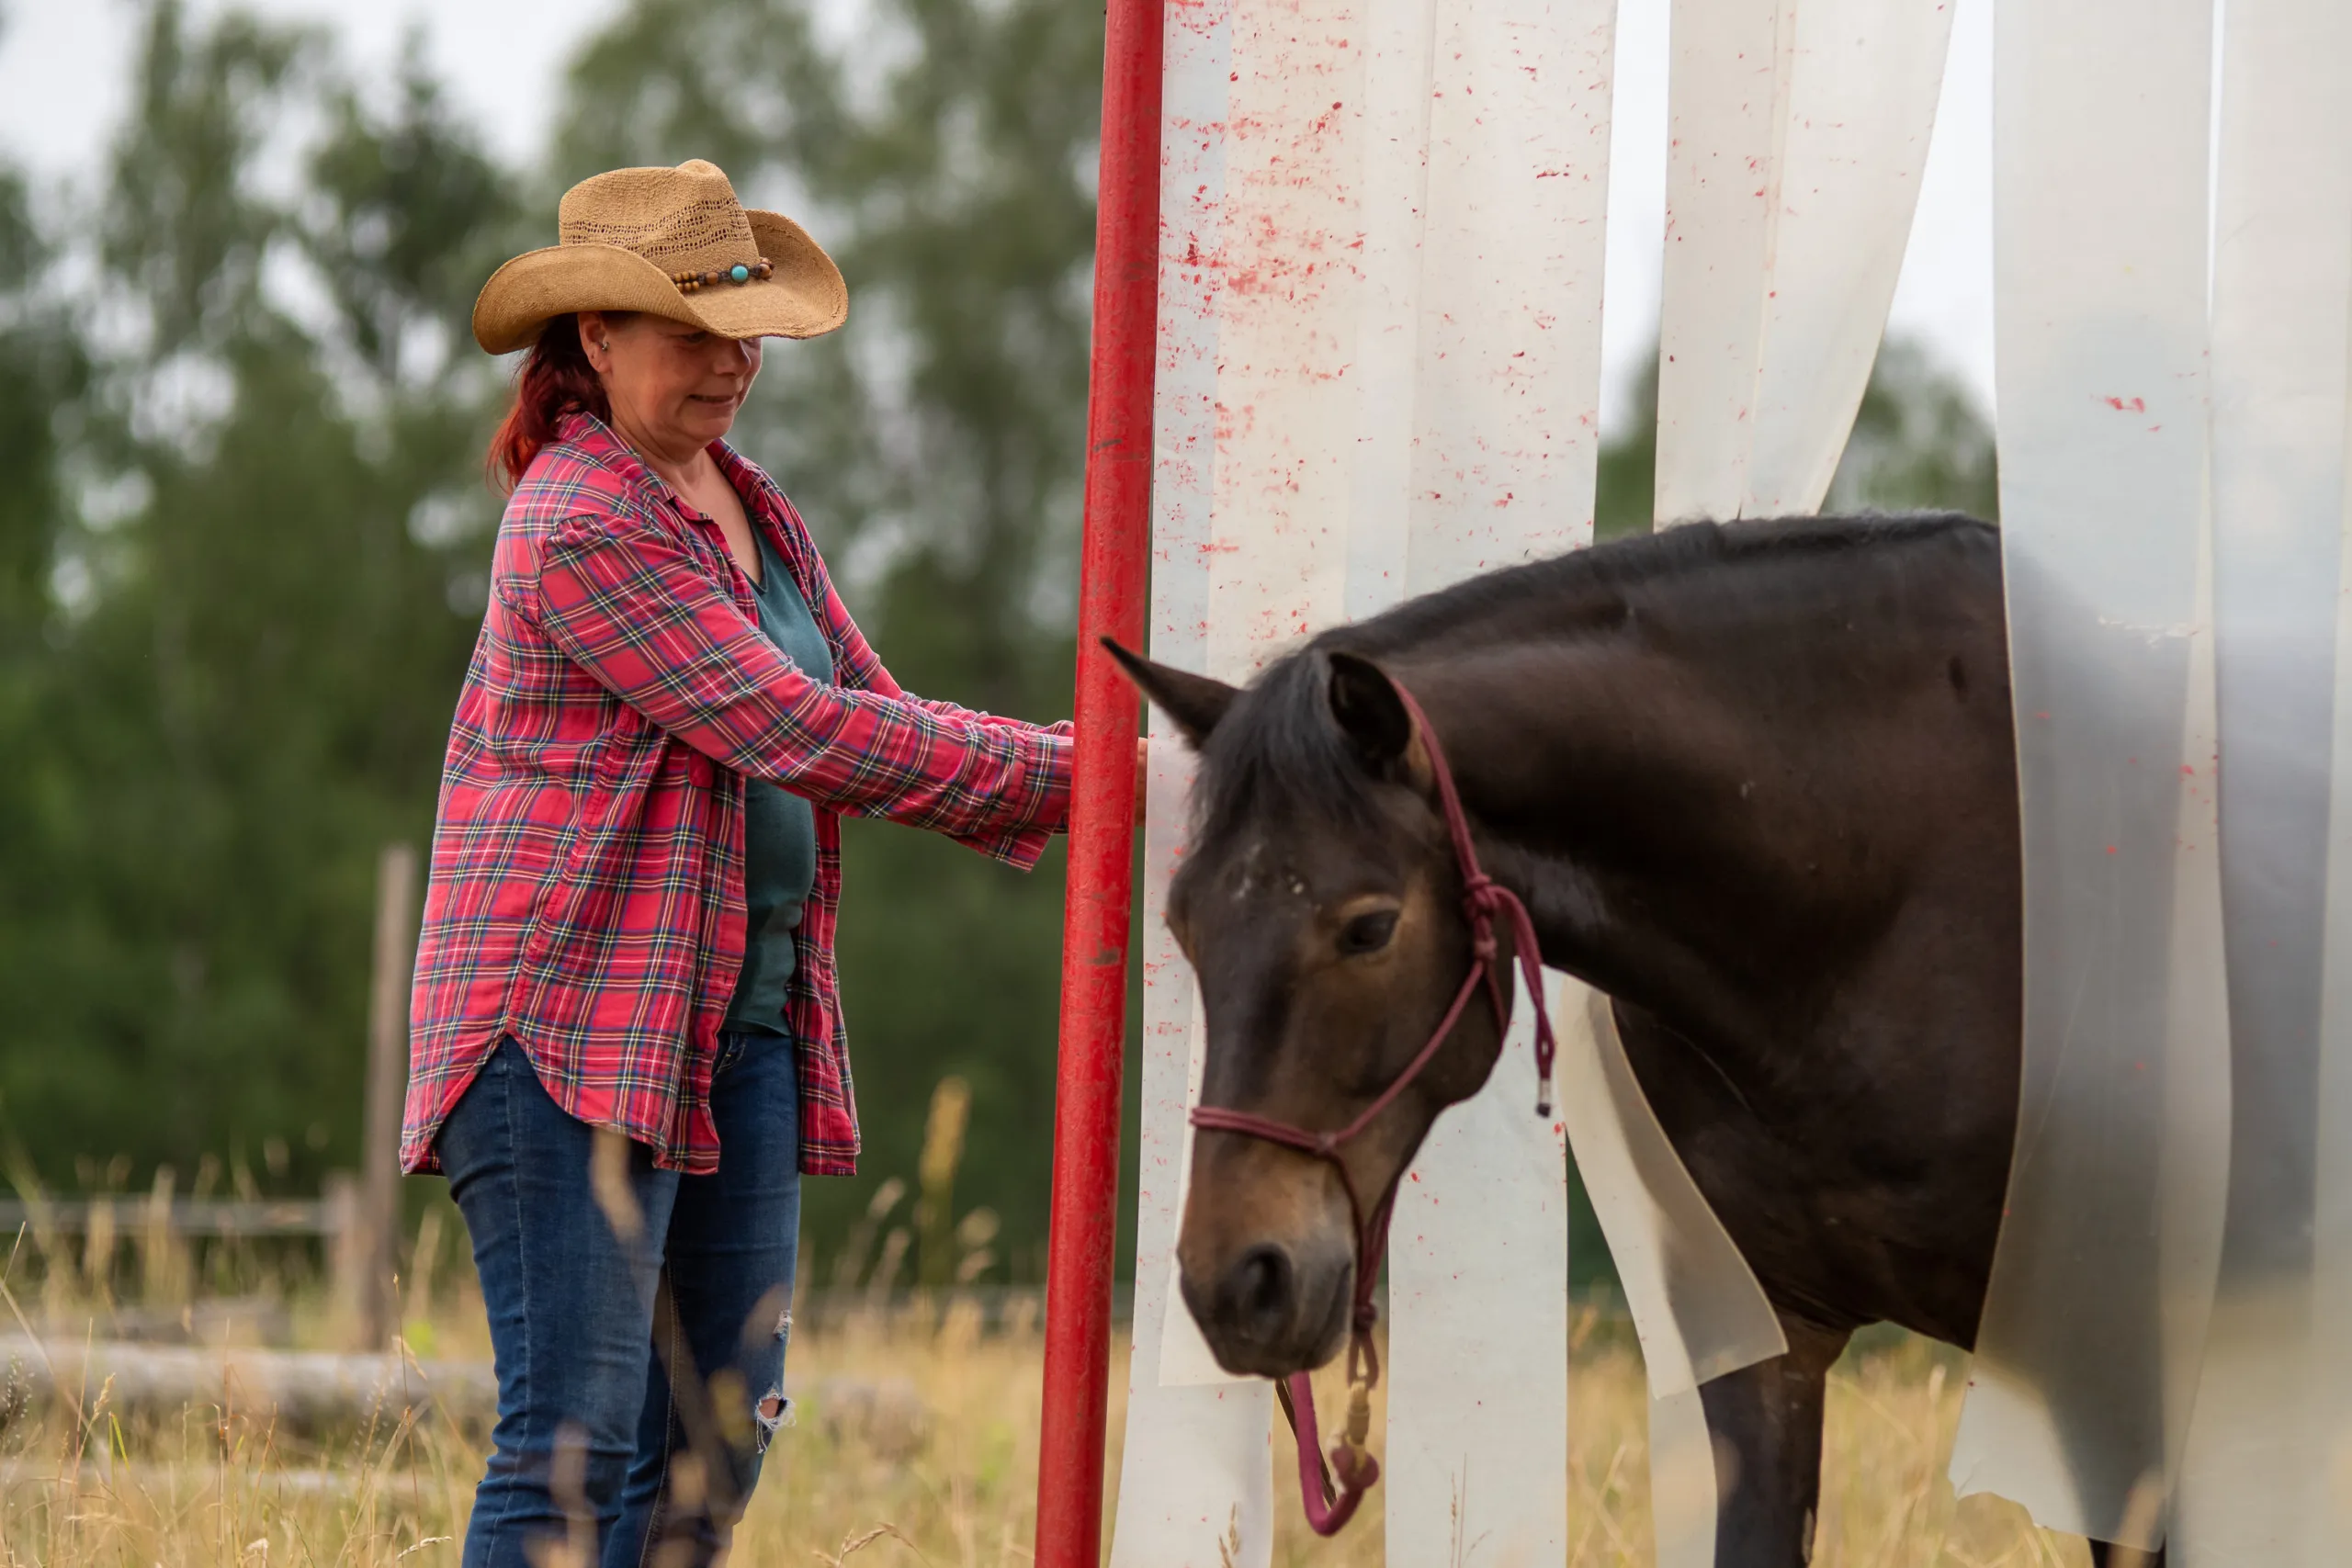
column 805, row 296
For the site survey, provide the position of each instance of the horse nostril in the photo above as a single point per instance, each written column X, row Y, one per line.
column 1259, row 1292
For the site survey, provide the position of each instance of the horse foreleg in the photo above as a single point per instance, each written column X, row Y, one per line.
column 1765, row 1422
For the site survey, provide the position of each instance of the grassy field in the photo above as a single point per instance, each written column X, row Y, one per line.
column 948, row 1481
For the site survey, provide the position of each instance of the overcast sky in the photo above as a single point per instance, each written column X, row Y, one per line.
column 64, row 70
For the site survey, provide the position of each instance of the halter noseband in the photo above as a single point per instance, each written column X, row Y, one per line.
column 1483, row 899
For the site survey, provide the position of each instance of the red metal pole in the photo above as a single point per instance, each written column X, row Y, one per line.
column 1094, row 932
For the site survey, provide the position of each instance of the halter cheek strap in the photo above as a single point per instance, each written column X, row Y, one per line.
column 1483, row 899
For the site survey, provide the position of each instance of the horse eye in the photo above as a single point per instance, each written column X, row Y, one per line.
column 1368, row 933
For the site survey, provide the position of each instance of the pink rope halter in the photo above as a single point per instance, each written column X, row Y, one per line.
column 1483, row 899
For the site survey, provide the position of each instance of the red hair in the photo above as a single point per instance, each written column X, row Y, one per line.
column 556, row 379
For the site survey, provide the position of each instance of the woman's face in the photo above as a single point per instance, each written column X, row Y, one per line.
column 673, row 386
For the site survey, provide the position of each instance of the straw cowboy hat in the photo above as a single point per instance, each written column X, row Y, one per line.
column 673, row 241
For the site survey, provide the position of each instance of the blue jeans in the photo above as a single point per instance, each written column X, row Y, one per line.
column 639, row 1316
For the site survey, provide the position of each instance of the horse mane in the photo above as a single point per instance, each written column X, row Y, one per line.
column 1278, row 741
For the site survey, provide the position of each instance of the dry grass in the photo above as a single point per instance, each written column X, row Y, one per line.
column 873, row 1491
column 916, row 1441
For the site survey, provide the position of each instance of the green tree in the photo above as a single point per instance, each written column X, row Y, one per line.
column 43, row 382
column 1918, row 444
column 250, row 689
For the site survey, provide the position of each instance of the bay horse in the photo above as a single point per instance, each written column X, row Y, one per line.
column 1755, row 782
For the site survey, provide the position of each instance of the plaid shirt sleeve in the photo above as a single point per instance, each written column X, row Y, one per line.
column 858, row 665
column 624, row 601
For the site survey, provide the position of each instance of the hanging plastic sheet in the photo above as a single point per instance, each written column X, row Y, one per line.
column 1697, row 1307
column 1864, row 77
column 1185, row 1359
column 1799, row 133
column 2268, row 1435
column 1284, row 295
column 1727, row 102
column 2086, row 1359
column 1506, row 396
column 1485, row 196
column 1477, row 1449
column 2331, row 1392
column 1505, row 377
column 1253, row 424
column 1195, row 1481
column 1287, row 318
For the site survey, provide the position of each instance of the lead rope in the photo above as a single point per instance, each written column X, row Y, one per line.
column 1329, row 1507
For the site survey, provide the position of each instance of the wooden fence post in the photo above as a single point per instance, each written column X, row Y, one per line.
column 345, row 1244
column 380, row 1187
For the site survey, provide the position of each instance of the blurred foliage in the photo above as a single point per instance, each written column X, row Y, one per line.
column 242, row 547
column 240, row 679
column 1918, row 444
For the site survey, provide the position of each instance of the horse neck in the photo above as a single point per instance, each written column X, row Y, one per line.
column 1678, row 847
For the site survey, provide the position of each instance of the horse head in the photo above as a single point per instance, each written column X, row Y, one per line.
column 1320, row 904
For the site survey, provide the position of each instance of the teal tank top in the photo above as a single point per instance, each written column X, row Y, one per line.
column 779, row 827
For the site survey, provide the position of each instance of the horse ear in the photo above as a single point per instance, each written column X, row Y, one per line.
column 1367, row 709
column 1195, row 701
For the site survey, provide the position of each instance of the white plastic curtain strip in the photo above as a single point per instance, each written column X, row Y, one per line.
column 1798, row 134
column 1464, row 439
column 2102, row 1282
column 1864, row 76
column 1267, row 276
column 1697, row 1307
column 1286, row 309
column 1285, row 287
column 1185, row 1359
column 1486, row 204
column 1258, row 288
column 2266, row 1443
column 1195, row 1481
column 1477, row 1449
column 1486, row 192
column 2332, row 1220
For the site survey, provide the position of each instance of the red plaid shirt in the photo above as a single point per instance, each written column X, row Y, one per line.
column 586, row 893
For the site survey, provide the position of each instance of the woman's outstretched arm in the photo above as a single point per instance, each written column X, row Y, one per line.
column 625, row 601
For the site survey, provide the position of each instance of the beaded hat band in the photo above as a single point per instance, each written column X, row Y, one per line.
column 758, row 271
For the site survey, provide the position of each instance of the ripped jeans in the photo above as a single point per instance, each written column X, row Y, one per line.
column 638, row 1317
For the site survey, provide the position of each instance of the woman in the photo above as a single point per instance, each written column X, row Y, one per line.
column 627, row 1047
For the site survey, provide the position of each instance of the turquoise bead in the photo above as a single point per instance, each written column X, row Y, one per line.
column 740, row 273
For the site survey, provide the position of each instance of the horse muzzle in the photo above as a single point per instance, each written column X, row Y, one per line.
column 1271, row 1308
